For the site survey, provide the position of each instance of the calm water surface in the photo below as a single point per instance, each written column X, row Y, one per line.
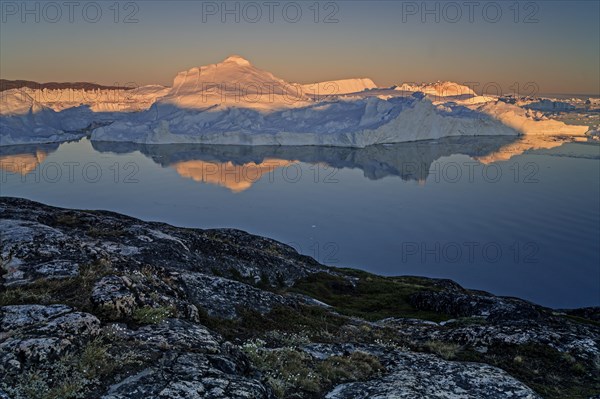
column 513, row 217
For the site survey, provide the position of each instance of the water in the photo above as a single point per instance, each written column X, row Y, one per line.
column 513, row 217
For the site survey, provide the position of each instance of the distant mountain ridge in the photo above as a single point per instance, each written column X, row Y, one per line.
column 6, row 84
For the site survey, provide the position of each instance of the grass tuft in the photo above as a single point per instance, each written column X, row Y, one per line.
column 149, row 315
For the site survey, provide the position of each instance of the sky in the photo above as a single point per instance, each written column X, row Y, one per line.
column 528, row 46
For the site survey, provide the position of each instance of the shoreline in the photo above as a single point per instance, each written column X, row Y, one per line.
column 177, row 312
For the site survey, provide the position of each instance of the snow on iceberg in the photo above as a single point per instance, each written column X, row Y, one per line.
column 99, row 100
column 438, row 89
column 337, row 87
column 233, row 82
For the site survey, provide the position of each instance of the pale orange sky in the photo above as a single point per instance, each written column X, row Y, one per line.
column 560, row 52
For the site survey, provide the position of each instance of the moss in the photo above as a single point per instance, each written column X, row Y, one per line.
column 370, row 297
column 469, row 321
column 314, row 322
column 24, row 295
column 216, row 272
column 582, row 320
column 35, row 386
column 67, row 219
column 290, row 369
column 264, row 283
column 98, row 233
column 234, row 274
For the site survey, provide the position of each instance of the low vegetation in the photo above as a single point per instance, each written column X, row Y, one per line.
column 369, row 296
column 73, row 291
column 553, row 374
column 446, row 350
column 291, row 372
column 75, row 375
column 149, row 315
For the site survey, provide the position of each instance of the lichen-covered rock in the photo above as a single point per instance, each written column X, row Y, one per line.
column 460, row 303
column 30, row 250
column 221, row 297
column 192, row 375
column 423, row 376
column 54, row 320
column 35, row 234
column 492, row 320
column 15, row 351
column 174, row 334
column 74, row 324
column 112, row 295
column 16, row 317
column 36, row 334
column 416, row 375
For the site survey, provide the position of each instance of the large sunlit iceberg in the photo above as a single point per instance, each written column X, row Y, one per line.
column 233, row 102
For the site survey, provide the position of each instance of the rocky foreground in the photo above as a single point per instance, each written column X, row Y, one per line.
column 101, row 305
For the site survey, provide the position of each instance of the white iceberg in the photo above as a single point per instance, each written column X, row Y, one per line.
column 233, row 102
column 206, row 106
column 437, row 89
column 23, row 120
column 337, row 87
column 45, row 116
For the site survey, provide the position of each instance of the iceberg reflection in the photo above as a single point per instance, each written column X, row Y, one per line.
column 235, row 177
column 24, row 159
column 238, row 167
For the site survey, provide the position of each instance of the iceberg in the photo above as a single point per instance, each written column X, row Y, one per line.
column 346, row 123
column 230, row 103
column 44, row 116
column 24, row 120
column 235, row 103
column 438, row 89
column 337, row 87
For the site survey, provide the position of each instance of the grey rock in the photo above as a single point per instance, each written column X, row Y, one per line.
column 19, row 316
column 221, row 296
column 112, row 294
column 30, row 250
column 54, row 320
column 37, row 234
column 460, row 303
column 415, row 375
column 37, row 334
column 175, row 334
column 191, row 375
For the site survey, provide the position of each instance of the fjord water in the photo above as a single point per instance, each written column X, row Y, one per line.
column 488, row 212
